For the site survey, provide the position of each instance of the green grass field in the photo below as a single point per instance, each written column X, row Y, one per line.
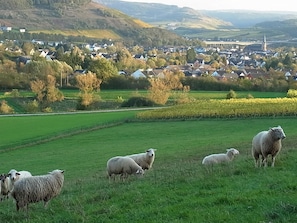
column 176, row 189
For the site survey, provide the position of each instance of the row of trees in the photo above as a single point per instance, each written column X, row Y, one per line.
column 24, row 4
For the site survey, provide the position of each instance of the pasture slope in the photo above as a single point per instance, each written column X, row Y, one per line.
column 176, row 189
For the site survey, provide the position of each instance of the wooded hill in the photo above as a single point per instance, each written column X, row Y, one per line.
column 169, row 16
column 81, row 15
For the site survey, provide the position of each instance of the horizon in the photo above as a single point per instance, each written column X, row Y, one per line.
column 252, row 5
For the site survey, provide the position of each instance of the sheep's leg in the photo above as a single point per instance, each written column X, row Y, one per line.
column 273, row 160
column 265, row 162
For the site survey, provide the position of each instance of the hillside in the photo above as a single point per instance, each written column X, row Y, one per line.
column 87, row 16
column 248, row 19
column 169, row 16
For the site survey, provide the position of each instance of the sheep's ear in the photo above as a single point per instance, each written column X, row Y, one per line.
column 17, row 173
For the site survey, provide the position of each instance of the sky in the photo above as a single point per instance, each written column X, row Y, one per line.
column 259, row 5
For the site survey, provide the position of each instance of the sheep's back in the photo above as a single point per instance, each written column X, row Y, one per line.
column 37, row 188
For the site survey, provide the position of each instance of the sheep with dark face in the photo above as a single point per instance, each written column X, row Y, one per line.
column 267, row 143
column 6, row 186
column 15, row 175
column 37, row 188
column 145, row 160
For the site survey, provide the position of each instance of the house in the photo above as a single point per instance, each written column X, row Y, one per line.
column 6, row 28
column 138, row 74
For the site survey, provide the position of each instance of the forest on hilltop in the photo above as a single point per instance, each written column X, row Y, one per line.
column 25, row 4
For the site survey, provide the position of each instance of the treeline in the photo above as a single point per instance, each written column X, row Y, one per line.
column 25, row 4
column 15, row 4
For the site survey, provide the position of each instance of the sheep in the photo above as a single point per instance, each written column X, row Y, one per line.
column 145, row 160
column 220, row 157
column 123, row 165
column 6, row 186
column 15, row 175
column 37, row 188
column 267, row 143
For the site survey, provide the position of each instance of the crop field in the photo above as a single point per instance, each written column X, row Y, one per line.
column 177, row 189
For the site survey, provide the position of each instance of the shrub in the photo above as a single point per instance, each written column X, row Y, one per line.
column 32, row 106
column 292, row 93
column 5, row 108
column 138, row 102
column 249, row 96
column 231, row 94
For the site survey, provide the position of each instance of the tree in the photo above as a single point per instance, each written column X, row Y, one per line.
column 46, row 91
column 161, row 87
column 191, row 55
column 103, row 69
column 87, row 84
column 27, row 47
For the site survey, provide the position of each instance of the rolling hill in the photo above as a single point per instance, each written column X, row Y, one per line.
column 83, row 17
column 169, row 16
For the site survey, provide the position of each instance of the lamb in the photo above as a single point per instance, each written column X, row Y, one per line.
column 145, row 160
column 267, row 143
column 37, row 188
column 220, row 157
column 6, row 186
column 123, row 165
column 16, row 175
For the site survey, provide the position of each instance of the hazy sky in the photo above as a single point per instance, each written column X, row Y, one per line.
column 260, row 5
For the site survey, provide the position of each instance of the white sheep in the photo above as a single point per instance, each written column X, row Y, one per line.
column 267, row 143
column 220, row 157
column 15, row 175
column 6, row 186
column 37, row 188
column 124, row 166
column 145, row 160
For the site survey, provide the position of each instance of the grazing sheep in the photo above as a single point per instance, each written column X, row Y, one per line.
column 37, row 188
column 123, row 165
column 16, row 175
column 6, row 186
column 220, row 157
column 267, row 143
column 145, row 160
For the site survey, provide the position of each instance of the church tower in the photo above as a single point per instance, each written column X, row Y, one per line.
column 264, row 44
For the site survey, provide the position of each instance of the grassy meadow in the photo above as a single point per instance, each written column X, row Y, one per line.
column 177, row 189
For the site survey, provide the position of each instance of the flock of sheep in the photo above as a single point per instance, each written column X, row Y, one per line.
column 25, row 188
column 265, row 143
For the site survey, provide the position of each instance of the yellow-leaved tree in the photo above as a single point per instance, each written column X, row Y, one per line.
column 46, row 91
column 87, row 84
column 161, row 87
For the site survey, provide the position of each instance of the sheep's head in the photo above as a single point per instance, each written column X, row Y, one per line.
column 233, row 151
column 150, row 152
column 13, row 175
column 3, row 177
column 278, row 133
column 140, row 172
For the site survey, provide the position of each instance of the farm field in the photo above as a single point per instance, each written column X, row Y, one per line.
column 39, row 127
column 176, row 189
